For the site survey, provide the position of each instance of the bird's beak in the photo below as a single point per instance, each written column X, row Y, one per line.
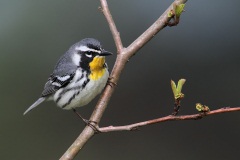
column 105, row 53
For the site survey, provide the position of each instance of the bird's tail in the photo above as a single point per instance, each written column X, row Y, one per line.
column 35, row 104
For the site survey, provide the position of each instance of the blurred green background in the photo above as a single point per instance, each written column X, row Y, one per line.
column 203, row 48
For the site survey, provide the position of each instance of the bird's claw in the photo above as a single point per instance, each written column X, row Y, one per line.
column 110, row 82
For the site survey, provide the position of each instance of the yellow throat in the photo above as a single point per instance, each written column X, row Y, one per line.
column 97, row 68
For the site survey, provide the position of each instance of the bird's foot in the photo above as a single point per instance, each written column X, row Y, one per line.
column 111, row 82
column 89, row 123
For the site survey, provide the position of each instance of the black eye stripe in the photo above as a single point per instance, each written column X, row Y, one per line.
column 91, row 53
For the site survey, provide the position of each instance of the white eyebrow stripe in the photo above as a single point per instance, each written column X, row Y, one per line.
column 86, row 49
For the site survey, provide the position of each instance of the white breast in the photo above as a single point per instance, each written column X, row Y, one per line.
column 80, row 97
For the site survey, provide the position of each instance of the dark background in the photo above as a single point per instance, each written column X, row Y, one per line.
column 203, row 48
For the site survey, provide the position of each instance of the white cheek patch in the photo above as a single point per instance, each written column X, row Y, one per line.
column 86, row 49
column 76, row 59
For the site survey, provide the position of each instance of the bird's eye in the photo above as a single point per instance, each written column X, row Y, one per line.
column 88, row 54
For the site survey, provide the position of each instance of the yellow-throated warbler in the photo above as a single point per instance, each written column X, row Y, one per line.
column 78, row 77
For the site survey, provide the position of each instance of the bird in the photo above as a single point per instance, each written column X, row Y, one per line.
column 78, row 77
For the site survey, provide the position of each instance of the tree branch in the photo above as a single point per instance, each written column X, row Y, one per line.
column 112, row 26
column 135, row 126
column 158, row 25
column 124, row 54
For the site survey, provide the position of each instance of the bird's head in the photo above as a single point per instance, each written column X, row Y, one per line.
column 89, row 54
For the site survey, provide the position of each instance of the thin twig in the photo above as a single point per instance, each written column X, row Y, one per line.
column 158, row 25
column 167, row 118
column 112, row 26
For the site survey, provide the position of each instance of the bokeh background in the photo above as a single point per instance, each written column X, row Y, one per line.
column 203, row 48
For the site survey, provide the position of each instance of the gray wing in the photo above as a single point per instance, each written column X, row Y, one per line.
column 63, row 73
column 54, row 83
